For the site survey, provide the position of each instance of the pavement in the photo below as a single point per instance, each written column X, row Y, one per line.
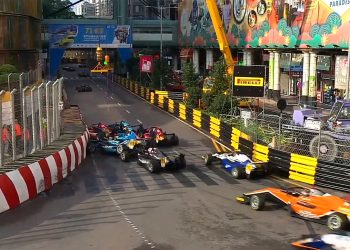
column 110, row 204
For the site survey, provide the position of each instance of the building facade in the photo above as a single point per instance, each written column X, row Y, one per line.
column 302, row 42
column 88, row 9
column 20, row 29
column 104, row 8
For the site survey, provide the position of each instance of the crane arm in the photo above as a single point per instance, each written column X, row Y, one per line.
column 220, row 33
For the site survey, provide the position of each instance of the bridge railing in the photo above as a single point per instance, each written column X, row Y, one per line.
column 30, row 117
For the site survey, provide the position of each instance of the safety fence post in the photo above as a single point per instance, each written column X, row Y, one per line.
column 2, row 92
column 13, row 122
column 48, row 117
column 40, row 118
column 54, row 109
column 24, row 115
column 33, row 119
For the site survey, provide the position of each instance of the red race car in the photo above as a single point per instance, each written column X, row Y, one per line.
column 159, row 136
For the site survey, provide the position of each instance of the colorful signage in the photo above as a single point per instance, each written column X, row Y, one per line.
column 249, row 81
column 146, row 64
column 341, row 69
column 89, row 36
column 268, row 23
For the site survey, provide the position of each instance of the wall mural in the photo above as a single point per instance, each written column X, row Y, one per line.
column 268, row 23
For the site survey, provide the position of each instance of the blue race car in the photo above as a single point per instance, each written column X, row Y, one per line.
column 239, row 165
column 109, row 145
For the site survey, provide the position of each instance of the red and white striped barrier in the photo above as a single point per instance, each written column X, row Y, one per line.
column 28, row 181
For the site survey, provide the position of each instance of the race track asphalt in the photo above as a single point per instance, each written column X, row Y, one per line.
column 109, row 204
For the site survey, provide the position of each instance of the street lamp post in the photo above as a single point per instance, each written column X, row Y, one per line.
column 161, row 47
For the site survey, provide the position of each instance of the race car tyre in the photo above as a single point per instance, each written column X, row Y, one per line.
column 153, row 166
column 139, row 148
column 337, row 221
column 174, row 140
column 237, row 173
column 257, row 201
column 324, row 148
column 91, row 148
column 120, row 148
column 180, row 162
column 124, row 156
column 208, row 158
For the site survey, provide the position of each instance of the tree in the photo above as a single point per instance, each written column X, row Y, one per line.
column 191, row 81
column 50, row 6
column 7, row 69
column 160, row 69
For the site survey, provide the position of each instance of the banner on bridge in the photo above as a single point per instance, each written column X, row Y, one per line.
column 89, row 36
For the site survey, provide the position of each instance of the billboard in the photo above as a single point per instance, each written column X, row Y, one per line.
column 341, row 72
column 249, row 81
column 89, row 36
column 146, row 64
column 268, row 23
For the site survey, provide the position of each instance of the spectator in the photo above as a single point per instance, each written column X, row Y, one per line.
column 18, row 132
column 6, row 138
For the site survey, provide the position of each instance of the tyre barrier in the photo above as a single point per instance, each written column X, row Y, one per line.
column 27, row 182
column 301, row 168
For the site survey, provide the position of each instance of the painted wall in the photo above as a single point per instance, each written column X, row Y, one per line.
column 262, row 23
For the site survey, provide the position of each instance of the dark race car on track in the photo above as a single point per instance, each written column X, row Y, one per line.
column 306, row 203
column 84, row 88
column 131, row 148
column 110, row 130
column 155, row 160
column 159, row 136
column 239, row 165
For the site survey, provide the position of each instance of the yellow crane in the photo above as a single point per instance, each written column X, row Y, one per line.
column 221, row 36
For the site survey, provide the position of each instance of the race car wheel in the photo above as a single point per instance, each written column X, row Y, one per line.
column 337, row 221
column 180, row 162
column 208, row 158
column 257, row 201
column 124, row 156
column 174, row 140
column 153, row 166
column 237, row 173
column 120, row 148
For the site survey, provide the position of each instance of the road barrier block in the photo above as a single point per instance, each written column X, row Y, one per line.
column 215, row 126
column 235, row 138
column 197, row 118
column 182, row 111
column 260, row 153
column 302, row 168
column 171, row 106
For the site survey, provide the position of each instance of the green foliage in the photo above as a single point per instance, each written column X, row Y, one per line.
column 7, row 69
column 50, row 6
column 325, row 29
column 221, row 104
column 282, row 24
column 191, row 81
column 314, row 30
column 334, row 20
column 221, row 81
column 161, row 69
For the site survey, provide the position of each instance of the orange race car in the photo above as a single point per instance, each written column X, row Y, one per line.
column 307, row 203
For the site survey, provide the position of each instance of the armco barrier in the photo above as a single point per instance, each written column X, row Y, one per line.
column 298, row 167
column 27, row 182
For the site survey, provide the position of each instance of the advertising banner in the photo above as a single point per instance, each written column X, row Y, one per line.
column 268, row 23
column 341, row 68
column 89, row 36
column 146, row 64
column 249, row 81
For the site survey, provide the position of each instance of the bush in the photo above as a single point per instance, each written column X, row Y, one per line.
column 7, row 69
column 193, row 89
column 221, row 104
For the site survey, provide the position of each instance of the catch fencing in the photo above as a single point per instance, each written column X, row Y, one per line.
column 313, row 156
column 30, row 116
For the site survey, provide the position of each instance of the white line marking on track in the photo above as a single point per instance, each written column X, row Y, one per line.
column 127, row 111
column 112, row 97
column 139, row 121
column 119, row 209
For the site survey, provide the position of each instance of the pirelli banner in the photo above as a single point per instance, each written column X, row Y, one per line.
column 249, row 81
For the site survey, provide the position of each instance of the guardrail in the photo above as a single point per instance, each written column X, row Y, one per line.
column 298, row 167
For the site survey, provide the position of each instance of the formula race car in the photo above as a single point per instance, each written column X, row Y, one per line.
column 83, row 88
column 131, row 148
column 159, row 136
column 111, row 130
column 239, row 165
column 155, row 160
column 307, row 203
column 109, row 145
column 336, row 241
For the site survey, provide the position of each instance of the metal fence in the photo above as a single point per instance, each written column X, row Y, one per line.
column 30, row 118
column 279, row 132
